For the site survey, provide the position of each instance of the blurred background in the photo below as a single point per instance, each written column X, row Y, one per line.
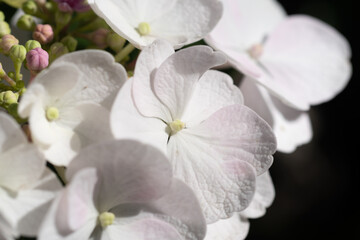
column 317, row 185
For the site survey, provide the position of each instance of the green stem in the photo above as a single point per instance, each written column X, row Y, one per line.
column 124, row 52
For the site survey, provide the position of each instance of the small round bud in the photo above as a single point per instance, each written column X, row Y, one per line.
column 115, row 41
column 70, row 43
column 7, row 41
column 26, row 22
column 62, row 18
column 10, row 98
column 43, row 33
column 57, row 50
column 4, row 28
column 18, row 53
column 99, row 37
column 50, row 6
column 2, row 16
column 30, row 7
column 31, row 44
column 143, row 28
column 37, row 59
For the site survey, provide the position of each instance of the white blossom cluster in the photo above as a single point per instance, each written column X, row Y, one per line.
column 177, row 151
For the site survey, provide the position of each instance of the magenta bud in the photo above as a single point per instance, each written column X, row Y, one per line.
column 43, row 33
column 99, row 37
column 37, row 59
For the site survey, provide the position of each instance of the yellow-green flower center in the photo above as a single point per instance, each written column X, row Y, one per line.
column 106, row 219
column 143, row 28
column 176, row 126
column 52, row 113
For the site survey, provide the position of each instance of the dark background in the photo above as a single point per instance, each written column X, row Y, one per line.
column 317, row 186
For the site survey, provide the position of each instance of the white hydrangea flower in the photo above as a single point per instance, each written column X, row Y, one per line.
column 237, row 227
column 123, row 189
column 68, row 104
column 292, row 127
column 299, row 59
column 195, row 115
column 26, row 186
column 142, row 21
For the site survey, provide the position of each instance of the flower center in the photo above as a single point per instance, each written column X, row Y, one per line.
column 176, row 126
column 256, row 51
column 143, row 28
column 52, row 113
column 106, row 219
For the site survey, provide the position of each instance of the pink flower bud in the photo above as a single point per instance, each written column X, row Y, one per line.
column 37, row 59
column 43, row 33
column 99, row 37
column 7, row 42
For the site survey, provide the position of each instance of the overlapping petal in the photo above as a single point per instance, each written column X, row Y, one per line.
column 179, row 22
column 233, row 228
column 307, row 60
column 292, row 128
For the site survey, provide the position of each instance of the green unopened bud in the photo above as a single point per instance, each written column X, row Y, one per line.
column 70, row 43
column 30, row 7
column 2, row 16
column 7, row 41
column 18, row 53
column 115, row 41
column 50, row 6
column 2, row 94
column 56, row 50
column 31, row 44
column 26, row 22
column 10, row 98
column 62, row 19
column 4, row 28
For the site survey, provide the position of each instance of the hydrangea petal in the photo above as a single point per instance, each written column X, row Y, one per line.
column 174, row 81
column 166, row 19
column 101, row 77
column 147, row 64
column 20, row 166
column 292, row 128
column 6, row 231
column 127, row 123
column 76, row 206
column 140, row 172
column 213, row 91
column 307, row 60
column 27, row 208
column 239, row 132
column 263, row 198
column 222, row 186
column 233, row 228
column 10, row 133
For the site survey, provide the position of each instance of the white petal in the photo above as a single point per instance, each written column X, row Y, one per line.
column 180, row 208
column 188, row 21
column 238, row 132
column 263, row 198
column 292, row 128
column 167, row 19
column 244, row 24
column 127, row 123
column 234, row 228
column 139, row 172
column 222, row 185
column 27, row 208
column 72, row 214
column 6, row 231
column 101, row 77
column 307, row 60
column 19, row 166
column 146, row 66
column 145, row 228
column 10, row 133
column 174, row 81
column 213, row 91
column 48, row 87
